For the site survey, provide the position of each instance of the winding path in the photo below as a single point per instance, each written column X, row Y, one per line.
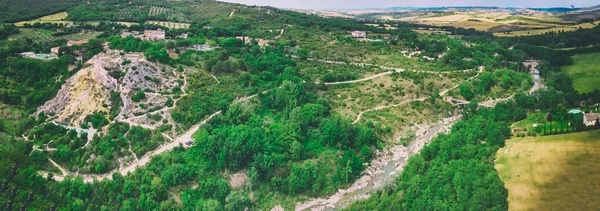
column 365, row 79
column 442, row 93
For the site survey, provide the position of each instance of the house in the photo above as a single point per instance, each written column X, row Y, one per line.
column 386, row 36
column 76, row 42
column 590, row 119
column 154, row 35
column 182, row 36
column 359, row 34
column 54, row 50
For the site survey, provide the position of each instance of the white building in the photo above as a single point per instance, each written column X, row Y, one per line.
column 54, row 50
column 154, row 35
column 359, row 34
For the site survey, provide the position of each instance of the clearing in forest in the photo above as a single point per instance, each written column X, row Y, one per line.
column 553, row 172
column 55, row 17
column 585, row 72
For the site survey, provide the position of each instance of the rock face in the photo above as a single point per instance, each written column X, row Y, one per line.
column 85, row 92
column 135, row 79
column 89, row 90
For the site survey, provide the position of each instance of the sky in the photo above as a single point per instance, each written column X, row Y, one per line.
column 362, row 4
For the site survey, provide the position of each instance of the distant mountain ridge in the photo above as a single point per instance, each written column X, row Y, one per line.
column 545, row 9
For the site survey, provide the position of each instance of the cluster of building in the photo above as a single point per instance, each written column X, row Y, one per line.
column 589, row 119
column 53, row 51
column 362, row 35
column 150, row 35
column 69, row 44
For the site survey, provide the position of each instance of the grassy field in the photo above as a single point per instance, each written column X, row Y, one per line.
column 541, row 31
column 585, row 72
column 552, row 172
column 55, row 17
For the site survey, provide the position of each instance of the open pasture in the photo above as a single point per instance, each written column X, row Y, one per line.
column 585, row 72
column 552, row 172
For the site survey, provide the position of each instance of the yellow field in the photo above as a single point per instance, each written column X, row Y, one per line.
column 480, row 26
column 484, row 21
column 171, row 25
column 448, row 18
column 55, row 17
column 552, row 172
column 541, row 31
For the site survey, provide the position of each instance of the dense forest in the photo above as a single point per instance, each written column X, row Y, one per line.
column 455, row 170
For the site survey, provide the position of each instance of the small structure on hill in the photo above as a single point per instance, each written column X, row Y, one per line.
column 54, row 50
column 154, row 35
column 359, row 34
column 590, row 119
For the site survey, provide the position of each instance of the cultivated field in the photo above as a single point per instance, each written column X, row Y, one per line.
column 544, row 30
column 585, row 72
column 171, row 25
column 518, row 24
column 552, row 172
column 54, row 18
